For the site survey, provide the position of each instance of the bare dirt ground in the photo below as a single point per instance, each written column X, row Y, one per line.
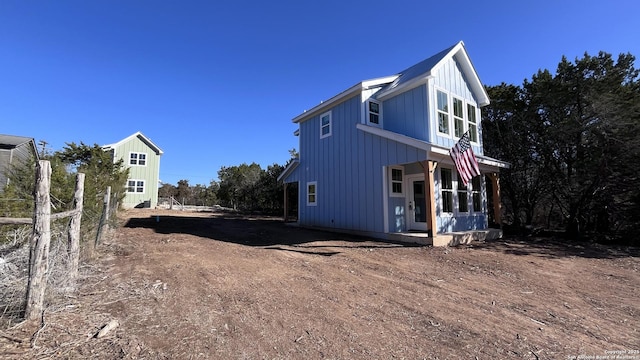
column 218, row 286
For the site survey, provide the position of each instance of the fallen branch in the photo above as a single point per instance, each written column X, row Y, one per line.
column 12, row 338
column 105, row 329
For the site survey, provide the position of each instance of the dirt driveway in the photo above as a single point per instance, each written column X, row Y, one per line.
column 214, row 286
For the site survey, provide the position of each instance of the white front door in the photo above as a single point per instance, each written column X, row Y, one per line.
column 416, row 203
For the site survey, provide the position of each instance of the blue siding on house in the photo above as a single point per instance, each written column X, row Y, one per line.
column 351, row 167
column 407, row 114
column 348, row 169
column 450, row 78
column 461, row 223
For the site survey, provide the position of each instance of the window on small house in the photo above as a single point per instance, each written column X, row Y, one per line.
column 374, row 112
column 443, row 112
column 312, row 193
column 458, row 118
column 446, row 181
column 135, row 186
column 325, row 125
column 396, row 182
column 463, row 197
column 139, row 159
column 475, row 194
column 473, row 123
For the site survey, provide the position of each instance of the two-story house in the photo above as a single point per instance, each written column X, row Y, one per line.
column 142, row 157
column 374, row 159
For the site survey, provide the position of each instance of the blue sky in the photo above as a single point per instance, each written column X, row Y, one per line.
column 217, row 83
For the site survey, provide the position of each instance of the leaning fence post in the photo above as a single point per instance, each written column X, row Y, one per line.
column 104, row 216
column 74, row 228
column 39, row 244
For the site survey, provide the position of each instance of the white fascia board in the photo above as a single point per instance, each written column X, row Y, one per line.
column 368, row 84
column 485, row 160
column 144, row 138
column 325, row 104
column 435, row 151
column 294, row 164
column 355, row 89
column 415, row 82
column 403, row 139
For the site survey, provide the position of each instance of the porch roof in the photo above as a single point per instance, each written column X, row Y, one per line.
column 431, row 149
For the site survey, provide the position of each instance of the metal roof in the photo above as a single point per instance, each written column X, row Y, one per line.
column 13, row 141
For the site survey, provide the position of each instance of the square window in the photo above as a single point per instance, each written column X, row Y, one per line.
column 138, row 159
column 135, row 186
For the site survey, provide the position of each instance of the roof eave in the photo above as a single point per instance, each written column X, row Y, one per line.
column 288, row 170
column 355, row 89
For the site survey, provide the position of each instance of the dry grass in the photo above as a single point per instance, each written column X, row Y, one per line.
column 14, row 271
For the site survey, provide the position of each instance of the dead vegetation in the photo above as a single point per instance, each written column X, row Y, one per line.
column 200, row 285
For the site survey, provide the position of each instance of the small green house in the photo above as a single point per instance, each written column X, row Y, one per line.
column 142, row 157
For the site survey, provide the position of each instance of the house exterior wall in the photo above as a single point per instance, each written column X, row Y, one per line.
column 407, row 114
column 449, row 77
column 347, row 168
column 149, row 172
column 14, row 156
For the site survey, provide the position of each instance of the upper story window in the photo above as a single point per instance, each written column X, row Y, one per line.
column 446, row 183
column 463, row 113
column 375, row 113
column 473, row 123
column 458, row 118
column 396, row 182
column 138, row 159
column 135, row 186
column 325, row 124
column 443, row 112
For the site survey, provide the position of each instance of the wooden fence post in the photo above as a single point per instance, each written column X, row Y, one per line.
column 73, row 248
column 105, row 215
column 39, row 244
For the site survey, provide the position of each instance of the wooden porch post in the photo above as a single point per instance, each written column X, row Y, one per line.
column 286, row 203
column 495, row 182
column 429, row 168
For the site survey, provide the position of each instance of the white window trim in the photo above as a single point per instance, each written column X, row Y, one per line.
column 449, row 112
column 477, row 123
column 480, row 193
column 146, row 158
column 465, row 125
column 457, row 197
column 451, row 117
column 391, row 182
column 368, row 117
column 330, row 125
column 144, row 186
column 452, row 191
column 315, row 185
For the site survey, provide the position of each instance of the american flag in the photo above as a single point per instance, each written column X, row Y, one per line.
column 465, row 160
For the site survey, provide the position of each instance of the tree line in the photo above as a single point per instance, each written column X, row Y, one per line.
column 573, row 142
column 244, row 187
